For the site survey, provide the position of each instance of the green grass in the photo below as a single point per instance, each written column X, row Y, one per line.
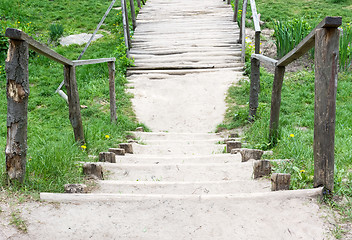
column 53, row 156
column 296, row 129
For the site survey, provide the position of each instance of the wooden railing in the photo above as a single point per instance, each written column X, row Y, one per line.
column 325, row 39
column 18, row 93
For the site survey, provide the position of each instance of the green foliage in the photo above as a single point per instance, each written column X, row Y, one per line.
column 346, row 48
column 53, row 157
column 289, row 34
column 55, row 32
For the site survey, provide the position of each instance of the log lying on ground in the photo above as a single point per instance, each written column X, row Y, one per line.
column 75, row 188
column 117, row 151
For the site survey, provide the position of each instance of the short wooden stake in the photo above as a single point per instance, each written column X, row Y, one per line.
column 75, row 188
column 113, row 116
column 118, row 151
column 139, row 4
column 73, row 103
column 236, row 11
column 107, row 157
column 326, row 69
column 248, row 154
column 127, row 146
column 275, row 103
column 261, row 168
column 280, row 181
column 93, row 170
column 232, row 145
column 133, row 14
column 254, row 89
column 17, row 107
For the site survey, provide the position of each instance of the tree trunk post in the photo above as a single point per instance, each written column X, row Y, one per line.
column 113, row 116
column 275, row 103
column 126, row 29
column 243, row 29
column 228, row 2
column 236, row 11
column 17, row 107
column 133, row 14
column 73, row 103
column 139, row 4
column 326, row 69
column 257, row 43
column 254, row 89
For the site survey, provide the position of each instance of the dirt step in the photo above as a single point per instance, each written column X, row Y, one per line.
column 175, row 136
column 178, row 159
column 239, row 197
column 178, row 172
column 191, row 149
column 187, row 188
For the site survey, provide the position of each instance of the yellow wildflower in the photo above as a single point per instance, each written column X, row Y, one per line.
column 292, row 135
column 303, row 171
column 83, row 147
column 107, row 136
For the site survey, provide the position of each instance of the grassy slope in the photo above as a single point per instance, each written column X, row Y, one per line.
column 297, row 107
column 52, row 153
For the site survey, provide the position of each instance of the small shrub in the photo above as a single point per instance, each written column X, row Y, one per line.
column 346, row 48
column 289, row 34
column 55, row 32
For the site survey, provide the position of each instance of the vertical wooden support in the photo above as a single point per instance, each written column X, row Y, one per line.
column 236, row 11
column 113, row 116
column 126, row 29
column 326, row 69
column 254, row 89
column 229, row 2
column 257, row 42
column 243, row 29
column 275, row 103
column 139, row 4
column 17, row 108
column 133, row 14
column 73, row 103
column 143, row 1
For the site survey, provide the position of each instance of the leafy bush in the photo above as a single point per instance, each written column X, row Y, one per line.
column 55, row 32
column 289, row 34
column 346, row 48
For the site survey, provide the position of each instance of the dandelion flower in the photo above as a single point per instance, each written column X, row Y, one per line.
column 107, row 136
column 83, row 147
column 292, row 135
column 303, row 171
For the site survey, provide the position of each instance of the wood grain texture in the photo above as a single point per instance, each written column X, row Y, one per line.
column 326, row 70
column 113, row 115
column 17, row 108
column 254, row 89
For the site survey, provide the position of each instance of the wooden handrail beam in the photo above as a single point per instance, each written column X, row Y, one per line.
column 92, row 61
column 255, row 16
column 308, row 42
column 17, row 34
column 265, row 59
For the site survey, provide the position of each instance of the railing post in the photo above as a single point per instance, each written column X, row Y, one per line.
column 139, row 4
column 113, row 116
column 326, row 69
column 254, row 88
column 228, row 1
column 243, row 29
column 17, row 108
column 236, row 11
column 126, row 29
column 73, row 103
column 133, row 14
column 275, row 103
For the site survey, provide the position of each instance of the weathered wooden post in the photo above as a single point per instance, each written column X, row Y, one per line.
column 17, row 108
column 275, row 103
column 243, row 29
column 126, row 29
column 236, row 11
column 254, row 88
column 228, row 1
column 326, row 69
column 113, row 116
column 139, row 4
column 73, row 102
column 133, row 14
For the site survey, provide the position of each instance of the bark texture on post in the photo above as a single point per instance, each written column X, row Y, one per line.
column 280, row 181
column 243, row 30
column 73, row 103
column 113, row 116
column 133, row 14
column 126, row 28
column 275, row 103
column 254, row 89
column 235, row 16
column 326, row 69
column 139, row 3
column 17, row 108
